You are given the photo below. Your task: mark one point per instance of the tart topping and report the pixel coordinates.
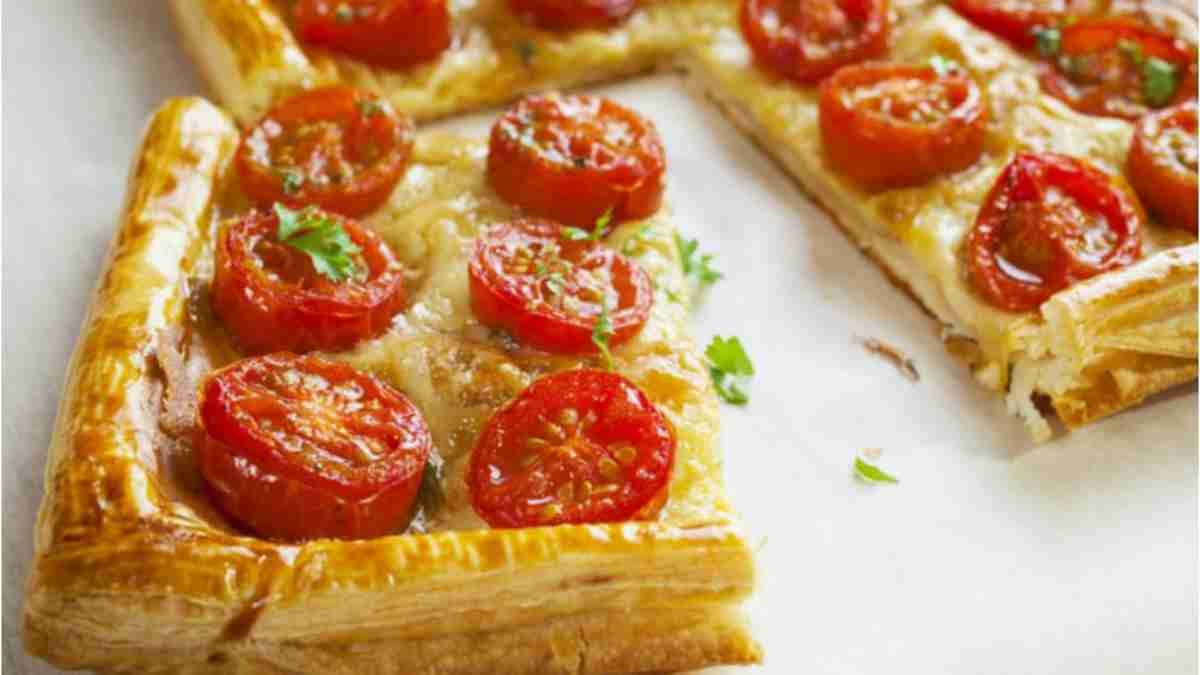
(1049, 222)
(557, 294)
(574, 158)
(389, 33)
(297, 447)
(303, 280)
(565, 15)
(805, 40)
(1162, 164)
(1021, 22)
(580, 446)
(337, 148)
(888, 125)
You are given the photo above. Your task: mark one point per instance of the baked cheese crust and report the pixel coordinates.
(1093, 349)
(135, 572)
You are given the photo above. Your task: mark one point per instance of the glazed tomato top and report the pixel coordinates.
(575, 158)
(1049, 222)
(1162, 164)
(889, 125)
(1119, 68)
(271, 295)
(389, 33)
(337, 148)
(317, 422)
(563, 15)
(1016, 20)
(527, 278)
(580, 446)
(805, 40)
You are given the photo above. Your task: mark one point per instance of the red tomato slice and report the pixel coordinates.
(1162, 164)
(1101, 68)
(575, 158)
(548, 292)
(1015, 20)
(271, 297)
(297, 447)
(337, 147)
(805, 40)
(1049, 221)
(388, 33)
(888, 125)
(565, 15)
(580, 446)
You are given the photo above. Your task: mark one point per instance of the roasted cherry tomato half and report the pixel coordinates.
(1162, 164)
(388, 33)
(575, 158)
(805, 40)
(887, 125)
(549, 292)
(563, 15)
(337, 147)
(1016, 20)
(271, 297)
(1119, 68)
(1049, 221)
(298, 447)
(580, 446)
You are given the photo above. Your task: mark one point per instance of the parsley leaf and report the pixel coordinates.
(635, 242)
(602, 332)
(1158, 81)
(324, 239)
(1049, 40)
(1133, 51)
(727, 359)
(292, 181)
(870, 473)
(942, 65)
(694, 263)
(597, 233)
(369, 107)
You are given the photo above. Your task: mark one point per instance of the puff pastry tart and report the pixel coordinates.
(341, 406)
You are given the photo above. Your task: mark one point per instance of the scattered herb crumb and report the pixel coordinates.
(902, 363)
(865, 471)
(727, 361)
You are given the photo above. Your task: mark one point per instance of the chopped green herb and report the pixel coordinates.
(324, 239)
(1159, 81)
(344, 13)
(694, 263)
(674, 296)
(1132, 51)
(635, 242)
(870, 473)
(602, 332)
(1049, 40)
(292, 182)
(597, 233)
(727, 359)
(370, 107)
(942, 65)
(527, 51)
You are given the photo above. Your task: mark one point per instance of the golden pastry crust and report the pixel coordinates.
(1092, 350)
(249, 56)
(132, 574)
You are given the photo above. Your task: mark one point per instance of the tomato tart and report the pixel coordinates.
(439, 435)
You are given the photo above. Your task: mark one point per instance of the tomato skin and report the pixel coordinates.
(571, 172)
(280, 448)
(388, 33)
(527, 307)
(1110, 83)
(816, 37)
(270, 297)
(1168, 188)
(346, 148)
(1019, 211)
(567, 15)
(1016, 23)
(579, 446)
(881, 150)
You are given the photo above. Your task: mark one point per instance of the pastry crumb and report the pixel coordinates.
(872, 453)
(897, 358)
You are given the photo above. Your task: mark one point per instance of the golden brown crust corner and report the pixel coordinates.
(124, 578)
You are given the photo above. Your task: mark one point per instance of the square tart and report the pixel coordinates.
(134, 571)
(1091, 350)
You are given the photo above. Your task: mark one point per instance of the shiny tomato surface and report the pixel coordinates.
(271, 298)
(565, 15)
(579, 446)
(1016, 20)
(805, 40)
(1049, 221)
(575, 158)
(337, 147)
(549, 292)
(1162, 164)
(298, 447)
(388, 33)
(888, 125)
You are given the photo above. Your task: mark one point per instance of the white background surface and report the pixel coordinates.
(990, 556)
